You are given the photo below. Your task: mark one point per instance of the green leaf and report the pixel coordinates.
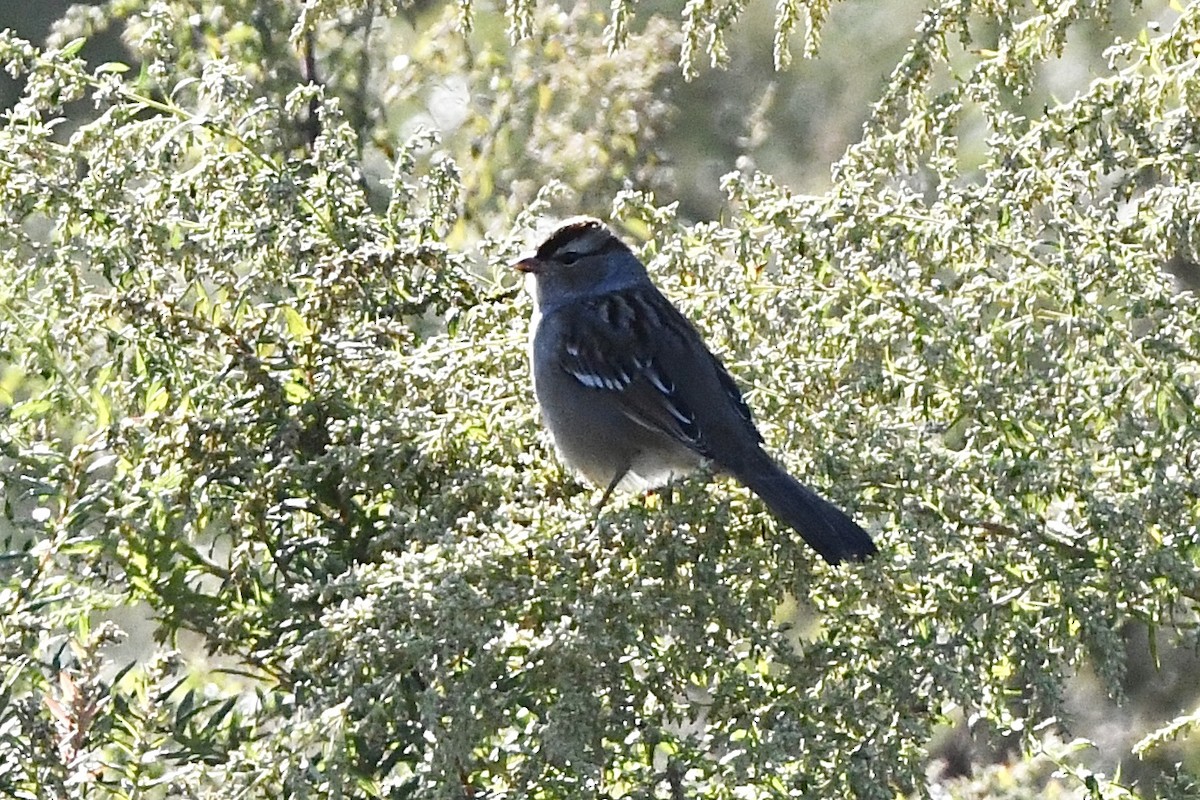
(31, 408)
(296, 392)
(72, 48)
(295, 323)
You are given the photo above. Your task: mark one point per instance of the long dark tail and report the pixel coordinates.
(826, 528)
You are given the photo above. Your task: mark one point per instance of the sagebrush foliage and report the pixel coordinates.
(263, 375)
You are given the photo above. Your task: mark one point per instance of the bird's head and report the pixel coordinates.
(581, 257)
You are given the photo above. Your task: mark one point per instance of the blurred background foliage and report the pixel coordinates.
(277, 515)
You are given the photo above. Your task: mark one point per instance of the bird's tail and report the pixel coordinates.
(825, 527)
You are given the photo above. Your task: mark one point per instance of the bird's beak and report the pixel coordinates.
(529, 265)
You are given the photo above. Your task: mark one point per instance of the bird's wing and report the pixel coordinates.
(636, 347)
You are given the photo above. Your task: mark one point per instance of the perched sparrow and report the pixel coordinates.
(632, 396)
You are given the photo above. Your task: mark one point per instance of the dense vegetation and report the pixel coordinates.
(264, 404)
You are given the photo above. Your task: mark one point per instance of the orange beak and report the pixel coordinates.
(529, 265)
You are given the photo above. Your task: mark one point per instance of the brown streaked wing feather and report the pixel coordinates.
(611, 349)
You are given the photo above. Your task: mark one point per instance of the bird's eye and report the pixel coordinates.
(570, 257)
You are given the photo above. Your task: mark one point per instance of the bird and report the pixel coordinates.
(633, 398)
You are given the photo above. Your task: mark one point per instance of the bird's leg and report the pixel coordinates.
(608, 493)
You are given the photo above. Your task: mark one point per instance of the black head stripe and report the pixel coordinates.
(569, 232)
(566, 234)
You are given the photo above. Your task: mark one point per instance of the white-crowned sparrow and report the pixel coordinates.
(632, 396)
